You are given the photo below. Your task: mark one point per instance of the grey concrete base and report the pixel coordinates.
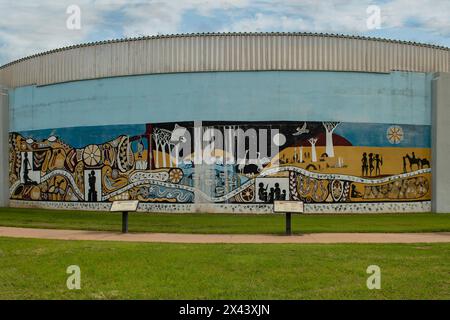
(251, 208)
(4, 149)
(441, 143)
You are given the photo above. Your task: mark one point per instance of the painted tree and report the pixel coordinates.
(313, 149)
(301, 154)
(329, 128)
(162, 139)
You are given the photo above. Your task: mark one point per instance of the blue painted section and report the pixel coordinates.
(396, 98)
(358, 134)
(375, 135)
(79, 137)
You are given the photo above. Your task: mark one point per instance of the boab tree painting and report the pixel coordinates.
(329, 128)
(313, 142)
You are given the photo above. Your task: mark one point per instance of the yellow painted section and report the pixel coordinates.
(348, 160)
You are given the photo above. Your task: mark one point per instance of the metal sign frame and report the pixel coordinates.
(124, 207)
(288, 207)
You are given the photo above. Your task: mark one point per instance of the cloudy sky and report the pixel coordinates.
(31, 26)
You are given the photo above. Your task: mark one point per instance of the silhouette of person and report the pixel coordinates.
(378, 164)
(364, 166)
(27, 167)
(371, 166)
(262, 192)
(271, 195)
(283, 195)
(92, 193)
(277, 191)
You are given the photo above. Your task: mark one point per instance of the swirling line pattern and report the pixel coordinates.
(332, 176)
(141, 175)
(52, 174)
(194, 190)
(13, 187)
(69, 177)
(158, 192)
(228, 196)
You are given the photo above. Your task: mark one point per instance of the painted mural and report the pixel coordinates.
(223, 162)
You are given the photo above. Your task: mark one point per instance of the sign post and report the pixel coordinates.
(288, 224)
(125, 222)
(124, 207)
(288, 207)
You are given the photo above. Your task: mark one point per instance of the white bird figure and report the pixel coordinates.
(242, 165)
(301, 130)
(262, 161)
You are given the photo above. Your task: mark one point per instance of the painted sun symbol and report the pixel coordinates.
(395, 134)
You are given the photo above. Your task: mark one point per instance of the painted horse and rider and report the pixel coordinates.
(420, 163)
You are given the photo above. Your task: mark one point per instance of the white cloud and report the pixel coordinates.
(345, 16)
(30, 26)
(164, 17)
(263, 22)
(433, 15)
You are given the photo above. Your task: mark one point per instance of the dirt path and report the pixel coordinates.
(226, 238)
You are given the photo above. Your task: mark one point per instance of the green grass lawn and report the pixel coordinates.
(225, 223)
(36, 269)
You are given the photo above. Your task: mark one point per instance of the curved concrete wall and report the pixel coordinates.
(343, 141)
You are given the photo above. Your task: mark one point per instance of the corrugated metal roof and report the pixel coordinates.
(224, 52)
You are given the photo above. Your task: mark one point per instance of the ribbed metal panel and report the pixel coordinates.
(224, 52)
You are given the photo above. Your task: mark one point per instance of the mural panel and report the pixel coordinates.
(223, 162)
